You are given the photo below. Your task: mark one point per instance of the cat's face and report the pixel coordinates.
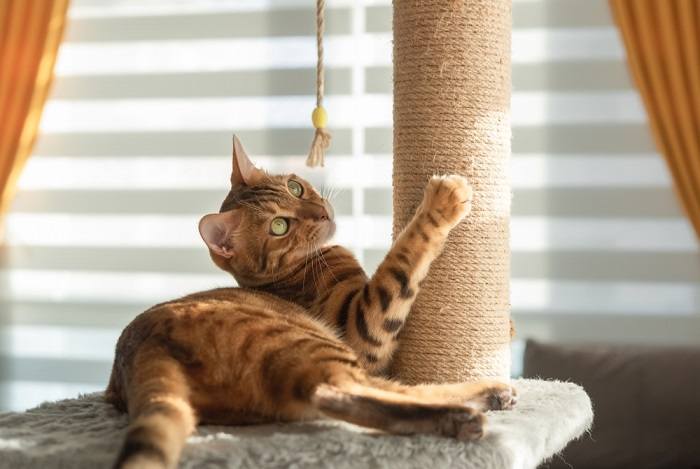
(266, 223)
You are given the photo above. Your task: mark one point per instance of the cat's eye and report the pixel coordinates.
(279, 226)
(295, 188)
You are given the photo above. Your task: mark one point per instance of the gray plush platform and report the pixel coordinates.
(86, 433)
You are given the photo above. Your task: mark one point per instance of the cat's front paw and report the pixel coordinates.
(447, 199)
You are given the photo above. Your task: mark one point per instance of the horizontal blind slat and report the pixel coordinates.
(364, 231)
(252, 23)
(596, 202)
(562, 139)
(100, 58)
(202, 173)
(591, 75)
(529, 294)
(526, 14)
(252, 113)
(589, 264)
(554, 138)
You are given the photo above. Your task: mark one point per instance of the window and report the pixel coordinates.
(135, 146)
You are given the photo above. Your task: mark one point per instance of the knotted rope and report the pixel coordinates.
(319, 118)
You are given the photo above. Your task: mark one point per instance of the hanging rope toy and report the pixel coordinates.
(319, 118)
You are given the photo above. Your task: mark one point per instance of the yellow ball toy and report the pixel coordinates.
(319, 118)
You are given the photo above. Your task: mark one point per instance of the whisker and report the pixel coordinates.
(328, 267)
(303, 280)
(317, 268)
(334, 193)
(312, 265)
(327, 192)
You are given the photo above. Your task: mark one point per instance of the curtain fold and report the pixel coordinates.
(30, 33)
(662, 40)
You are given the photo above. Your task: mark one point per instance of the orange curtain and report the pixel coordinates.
(30, 32)
(662, 39)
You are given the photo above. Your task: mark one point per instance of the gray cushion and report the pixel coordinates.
(86, 433)
(646, 402)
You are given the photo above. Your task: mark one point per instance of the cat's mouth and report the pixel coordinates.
(322, 232)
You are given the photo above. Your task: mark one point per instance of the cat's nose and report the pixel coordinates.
(316, 212)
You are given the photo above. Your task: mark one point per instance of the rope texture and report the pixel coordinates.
(320, 29)
(322, 138)
(452, 88)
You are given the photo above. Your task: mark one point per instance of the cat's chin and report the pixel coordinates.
(330, 231)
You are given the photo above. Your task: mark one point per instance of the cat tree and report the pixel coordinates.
(451, 116)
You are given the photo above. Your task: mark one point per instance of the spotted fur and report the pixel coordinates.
(306, 334)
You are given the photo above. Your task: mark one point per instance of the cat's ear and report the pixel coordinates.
(244, 172)
(217, 231)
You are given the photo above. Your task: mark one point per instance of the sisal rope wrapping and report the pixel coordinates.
(452, 87)
(322, 138)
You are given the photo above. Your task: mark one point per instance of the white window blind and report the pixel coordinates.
(135, 147)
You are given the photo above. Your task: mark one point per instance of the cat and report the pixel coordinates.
(306, 334)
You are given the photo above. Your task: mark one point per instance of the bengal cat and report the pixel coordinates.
(306, 335)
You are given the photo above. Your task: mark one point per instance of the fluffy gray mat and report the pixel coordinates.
(86, 433)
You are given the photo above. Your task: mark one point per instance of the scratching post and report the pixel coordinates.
(451, 116)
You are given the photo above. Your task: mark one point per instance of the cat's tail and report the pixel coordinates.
(161, 417)
(380, 404)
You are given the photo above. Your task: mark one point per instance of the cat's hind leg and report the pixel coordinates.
(453, 410)
(485, 394)
(397, 413)
(344, 391)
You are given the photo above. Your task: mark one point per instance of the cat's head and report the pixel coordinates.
(267, 223)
